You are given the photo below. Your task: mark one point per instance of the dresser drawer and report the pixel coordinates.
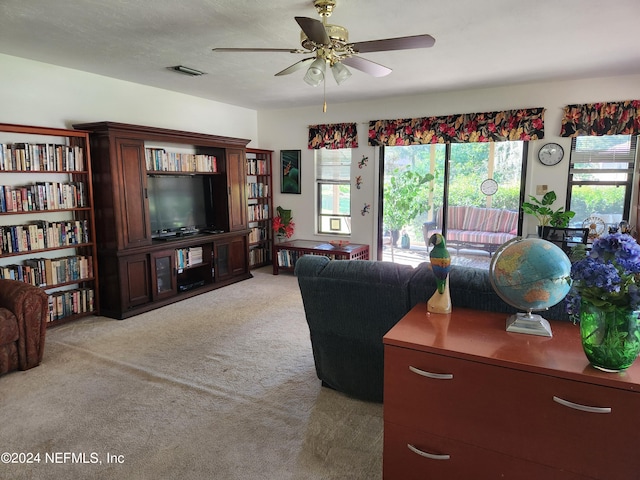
(464, 461)
(513, 412)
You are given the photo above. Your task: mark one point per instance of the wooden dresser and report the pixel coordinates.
(464, 399)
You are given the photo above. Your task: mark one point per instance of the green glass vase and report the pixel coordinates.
(610, 338)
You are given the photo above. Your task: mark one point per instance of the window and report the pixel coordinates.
(600, 178)
(333, 186)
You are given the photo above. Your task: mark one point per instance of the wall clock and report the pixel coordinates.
(489, 186)
(550, 154)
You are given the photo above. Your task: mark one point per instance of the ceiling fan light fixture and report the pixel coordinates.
(340, 72)
(315, 73)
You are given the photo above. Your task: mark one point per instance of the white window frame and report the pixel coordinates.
(333, 168)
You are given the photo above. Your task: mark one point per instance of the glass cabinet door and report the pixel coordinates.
(222, 260)
(163, 274)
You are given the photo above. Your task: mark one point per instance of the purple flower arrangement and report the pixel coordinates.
(608, 277)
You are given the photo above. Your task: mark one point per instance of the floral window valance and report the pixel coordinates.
(604, 118)
(522, 124)
(333, 136)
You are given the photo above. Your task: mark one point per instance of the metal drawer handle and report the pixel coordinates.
(437, 376)
(583, 408)
(432, 456)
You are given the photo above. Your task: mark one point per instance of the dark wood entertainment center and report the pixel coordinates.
(139, 271)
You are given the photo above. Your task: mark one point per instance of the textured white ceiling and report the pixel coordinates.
(479, 43)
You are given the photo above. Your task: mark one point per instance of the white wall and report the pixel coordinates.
(41, 94)
(36, 93)
(287, 129)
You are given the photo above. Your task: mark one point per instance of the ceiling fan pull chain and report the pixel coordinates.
(324, 86)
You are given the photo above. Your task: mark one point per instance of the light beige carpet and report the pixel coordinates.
(219, 386)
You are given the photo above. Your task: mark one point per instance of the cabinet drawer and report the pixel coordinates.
(464, 462)
(514, 412)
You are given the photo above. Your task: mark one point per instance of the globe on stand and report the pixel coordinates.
(530, 274)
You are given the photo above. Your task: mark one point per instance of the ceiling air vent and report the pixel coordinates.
(192, 72)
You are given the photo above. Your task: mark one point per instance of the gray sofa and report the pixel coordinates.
(350, 305)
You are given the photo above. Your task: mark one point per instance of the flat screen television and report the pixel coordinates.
(180, 204)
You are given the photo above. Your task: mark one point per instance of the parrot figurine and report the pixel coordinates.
(440, 259)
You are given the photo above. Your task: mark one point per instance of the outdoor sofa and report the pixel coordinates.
(474, 227)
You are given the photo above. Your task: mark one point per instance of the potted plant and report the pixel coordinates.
(283, 223)
(405, 197)
(547, 216)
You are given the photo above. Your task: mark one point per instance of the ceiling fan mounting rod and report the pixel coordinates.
(324, 7)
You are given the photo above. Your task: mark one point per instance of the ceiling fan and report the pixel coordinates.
(330, 44)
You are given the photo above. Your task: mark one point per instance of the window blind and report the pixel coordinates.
(612, 154)
(333, 166)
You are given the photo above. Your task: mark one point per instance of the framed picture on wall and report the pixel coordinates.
(289, 171)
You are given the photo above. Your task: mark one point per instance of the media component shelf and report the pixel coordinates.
(159, 195)
(286, 253)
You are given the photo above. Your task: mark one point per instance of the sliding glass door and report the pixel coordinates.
(483, 179)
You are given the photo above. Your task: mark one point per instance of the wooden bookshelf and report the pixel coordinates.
(259, 206)
(47, 225)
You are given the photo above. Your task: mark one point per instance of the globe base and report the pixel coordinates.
(531, 324)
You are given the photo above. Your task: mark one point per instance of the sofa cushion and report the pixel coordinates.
(479, 219)
(508, 222)
(478, 237)
(457, 216)
(8, 327)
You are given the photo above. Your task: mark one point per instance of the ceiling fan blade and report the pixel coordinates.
(288, 50)
(295, 67)
(367, 66)
(314, 30)
(400, 43)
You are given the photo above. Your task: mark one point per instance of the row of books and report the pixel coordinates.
(258, 212)
(288, 258)
(257, 234)
(258, 190)
(71, 302)
(42, 196)
(258, 256)
(187, 257)
(256, 167)
(35, 157)
(42, 234)
(47, 272)
(158, 159)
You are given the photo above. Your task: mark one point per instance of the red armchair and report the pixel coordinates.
(23, 322)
